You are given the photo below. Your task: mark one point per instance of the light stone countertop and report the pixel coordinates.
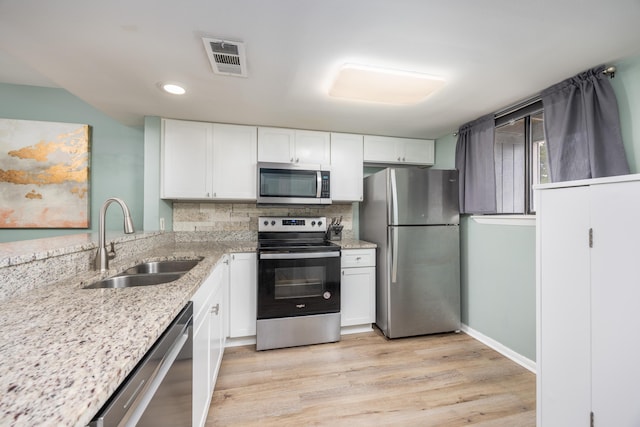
(355, 244)
(64, 350)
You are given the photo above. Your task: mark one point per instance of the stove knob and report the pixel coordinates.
(313, 223)
(319, 223)
(273, 223)
(266, 223)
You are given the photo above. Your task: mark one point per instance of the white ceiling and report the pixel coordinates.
(492, 53)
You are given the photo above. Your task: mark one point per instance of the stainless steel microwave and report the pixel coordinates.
(292, 183)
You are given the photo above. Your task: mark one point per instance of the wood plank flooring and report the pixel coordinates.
(367, 380)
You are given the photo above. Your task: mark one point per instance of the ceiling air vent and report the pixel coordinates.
(226, 57)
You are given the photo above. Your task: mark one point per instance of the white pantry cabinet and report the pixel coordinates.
(208, 337)
(588, 293)
(243, 294)
(293, 146)
(358, 287)
(208, 161)
(346, 167)
(392, 150)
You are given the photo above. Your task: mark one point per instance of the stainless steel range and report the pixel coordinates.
(298, 283)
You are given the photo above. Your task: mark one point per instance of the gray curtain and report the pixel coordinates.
(475, 163)
(582, 127)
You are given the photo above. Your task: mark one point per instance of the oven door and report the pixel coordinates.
(298, 283)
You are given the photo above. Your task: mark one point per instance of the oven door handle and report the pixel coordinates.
(300, 255)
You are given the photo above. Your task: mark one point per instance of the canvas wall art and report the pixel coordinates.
(44, 174)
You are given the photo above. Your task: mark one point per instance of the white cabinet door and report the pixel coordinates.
(418, 151)
(209, 306)
(216, 328)
(243, 294)
(276, 145)
(380, 149)
(358, 287)
(186, 152)
(312, 147)
(615, 297)
(234, 162)
(200, 367)
(346, 167)
(564, 343)
(357, 296)
(293, 146)
(392, 150)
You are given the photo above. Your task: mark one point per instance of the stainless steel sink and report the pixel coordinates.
(147, 273)
(130, 280)
(172, 266)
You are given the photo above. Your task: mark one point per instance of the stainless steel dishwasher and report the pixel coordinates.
(159, 390)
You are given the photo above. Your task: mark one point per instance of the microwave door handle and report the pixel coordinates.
(318, 184)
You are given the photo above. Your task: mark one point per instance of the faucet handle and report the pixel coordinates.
(112, 251)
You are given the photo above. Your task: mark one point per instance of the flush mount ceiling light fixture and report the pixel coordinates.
(172, 88)
(384, 85)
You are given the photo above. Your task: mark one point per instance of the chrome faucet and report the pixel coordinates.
(102, 256)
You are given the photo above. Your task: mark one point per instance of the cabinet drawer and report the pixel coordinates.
(358, 258)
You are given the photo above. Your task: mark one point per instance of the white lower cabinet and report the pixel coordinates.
(243, 294)
(208, 337)
(358, 287)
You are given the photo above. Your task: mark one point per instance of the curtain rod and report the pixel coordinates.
(609, 71)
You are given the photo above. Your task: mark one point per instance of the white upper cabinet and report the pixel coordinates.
(208, 161)
(392, 150)
(234, 162)
(346, 167)
(293, 146)
(185, 160)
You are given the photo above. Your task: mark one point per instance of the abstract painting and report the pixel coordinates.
(44, 174)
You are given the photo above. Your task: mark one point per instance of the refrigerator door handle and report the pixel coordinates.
(394, 254)
(394, 198)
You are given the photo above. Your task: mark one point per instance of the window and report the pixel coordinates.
(520, 158)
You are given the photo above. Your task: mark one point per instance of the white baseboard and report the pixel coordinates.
(236, 342)
(500, 348)
(346, 330)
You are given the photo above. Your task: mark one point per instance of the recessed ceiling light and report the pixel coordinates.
(373, 84)
(172, 88)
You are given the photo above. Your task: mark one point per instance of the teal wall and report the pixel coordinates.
(116, 153)
(154, 207)
(498, 261)
(627, 87)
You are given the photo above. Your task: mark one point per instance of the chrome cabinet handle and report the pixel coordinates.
(215, 309)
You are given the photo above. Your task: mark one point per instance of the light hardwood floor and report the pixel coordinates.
(367, 380)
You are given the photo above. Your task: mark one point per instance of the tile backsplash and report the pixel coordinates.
(240, 220)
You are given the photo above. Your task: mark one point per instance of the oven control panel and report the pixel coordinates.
(273, 223)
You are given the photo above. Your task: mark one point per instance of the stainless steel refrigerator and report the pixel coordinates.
(412, 215)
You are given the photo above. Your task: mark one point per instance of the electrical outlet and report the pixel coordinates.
(161, 224)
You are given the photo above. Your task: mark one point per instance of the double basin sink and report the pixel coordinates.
(147, 273)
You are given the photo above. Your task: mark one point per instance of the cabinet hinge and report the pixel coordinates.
(591, 237)
(591, 418)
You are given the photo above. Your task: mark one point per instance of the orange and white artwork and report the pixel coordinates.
(44, 174)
